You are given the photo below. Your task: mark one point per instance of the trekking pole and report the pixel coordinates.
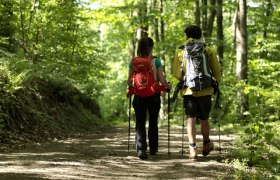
(218, 107)
(219, 130)
(168, 118)
(129, 116)
(219, 111)
(183, 129)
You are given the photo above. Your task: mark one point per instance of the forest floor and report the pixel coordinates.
(104, 155)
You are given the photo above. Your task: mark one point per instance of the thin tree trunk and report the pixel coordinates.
(22, 26)
(241, 40)
(32, 14)
(75, 30)
(267, 15)
(220, 34)
(234, 22)
(242, 54)
(204, 18)
(268, 7)
(235, 18)
(156, 21)
(162, 32)
(132, 40)
(197, 13)
(142, 15)
(161, 22)
(211, 18)
(143, 10)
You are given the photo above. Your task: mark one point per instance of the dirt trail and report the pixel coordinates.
(104, 155)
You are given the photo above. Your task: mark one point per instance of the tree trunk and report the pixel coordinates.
(211, 18)
(32, 14)
(142, 14)
(204, 18)
(133, 45)
(235, 18)
(268, 7)
(22, 43)
(220, 34)
(162, 32)
(241, 54)
(197, 13)
(75, 31)
(156, 21)
(267, 16)
(132, 40)
(161, 22)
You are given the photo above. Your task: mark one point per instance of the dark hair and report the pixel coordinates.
(151, 42)
(144, 46)
(193, 32)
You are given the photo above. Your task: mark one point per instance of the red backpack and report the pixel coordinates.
(144, 78)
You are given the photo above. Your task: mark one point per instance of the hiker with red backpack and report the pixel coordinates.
(146, 81)
(197, 67)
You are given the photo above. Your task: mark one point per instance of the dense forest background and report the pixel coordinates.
(63, 65)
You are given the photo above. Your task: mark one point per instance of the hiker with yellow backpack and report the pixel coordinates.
(146, 81)
(197, 67)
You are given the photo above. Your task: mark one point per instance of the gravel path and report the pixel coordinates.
(104, 155)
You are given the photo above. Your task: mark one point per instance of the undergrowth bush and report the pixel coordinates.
(38, 106)
(257, 149)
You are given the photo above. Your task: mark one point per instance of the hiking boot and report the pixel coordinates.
(142, 154)
(193, 153)
(207, 148)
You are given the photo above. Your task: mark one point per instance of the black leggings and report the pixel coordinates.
(142, 105)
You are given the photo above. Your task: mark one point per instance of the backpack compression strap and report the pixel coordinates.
(157, 86)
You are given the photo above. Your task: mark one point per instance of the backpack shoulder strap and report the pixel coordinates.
(184, 60)
(206, 61)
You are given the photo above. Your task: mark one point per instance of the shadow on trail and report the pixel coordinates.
(104, 155)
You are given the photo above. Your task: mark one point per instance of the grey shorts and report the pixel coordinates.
(198, 107)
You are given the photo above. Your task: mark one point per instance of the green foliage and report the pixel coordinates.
(41, 106)
(263, 90)
(258, 148)
(113, 98)
(242, 171)
(10, 82)
(263, 24)
(87, 46)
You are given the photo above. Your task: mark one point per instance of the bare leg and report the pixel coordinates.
(207, 144)
(191, 130)
(192, 138)
(205, 129)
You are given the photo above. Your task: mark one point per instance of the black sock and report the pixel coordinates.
(192, 145)
(206, 142)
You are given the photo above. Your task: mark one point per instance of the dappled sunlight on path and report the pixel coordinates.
(104, 155)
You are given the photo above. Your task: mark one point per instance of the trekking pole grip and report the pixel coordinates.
(168, 90)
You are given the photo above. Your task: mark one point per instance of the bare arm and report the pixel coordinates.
(129, 79)
(162, 79)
